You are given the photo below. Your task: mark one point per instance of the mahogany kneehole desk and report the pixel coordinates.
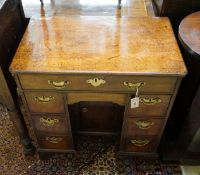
(78, 75)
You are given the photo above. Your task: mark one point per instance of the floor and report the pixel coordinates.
(94, 156)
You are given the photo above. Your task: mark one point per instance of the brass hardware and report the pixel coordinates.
(53, 139)
(140, 142)
(144, 124)
(150, 100)
(43, 99)
(134, 85)
(48, 121)
(58, 84)
(84, 110)
(96, 82)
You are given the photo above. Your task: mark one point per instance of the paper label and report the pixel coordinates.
(135, 102)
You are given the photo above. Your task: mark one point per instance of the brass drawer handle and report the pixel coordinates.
(54, 139)
(58, 84)
(150, 100)
(84, 110)
(43, 99)
(96, 82)
(140, 142)
(134, 85)
(144, 124)
(48, 121)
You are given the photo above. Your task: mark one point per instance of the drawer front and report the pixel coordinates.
(150, 105)
(55, 142)
(140, 144)
(98, 82)
(143, 126)
(75, 97)
(48, 102)
(46, 123)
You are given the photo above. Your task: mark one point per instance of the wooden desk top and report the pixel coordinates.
(189, 33)
(100, 44)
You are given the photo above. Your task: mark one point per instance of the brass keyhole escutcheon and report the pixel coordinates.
(96, 81)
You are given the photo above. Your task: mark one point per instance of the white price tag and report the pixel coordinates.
(135, 102)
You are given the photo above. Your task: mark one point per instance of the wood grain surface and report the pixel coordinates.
(189, 33)
(85, 44)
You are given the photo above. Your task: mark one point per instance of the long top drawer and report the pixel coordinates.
(97, 82)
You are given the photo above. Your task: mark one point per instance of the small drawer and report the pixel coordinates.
(98, 82)
(46, 123)
(150, 105)
(48, 102)
(140, 144)
(144, 126)
(55, 142)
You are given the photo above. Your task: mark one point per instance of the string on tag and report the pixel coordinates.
(135, 102)
(137, 92)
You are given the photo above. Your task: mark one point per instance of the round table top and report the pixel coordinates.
(189, 33)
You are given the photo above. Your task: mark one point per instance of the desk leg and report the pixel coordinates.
(119, 4)
(16, 116)
(41, 1)
(22, 130)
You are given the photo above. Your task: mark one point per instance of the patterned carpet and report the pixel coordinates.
(94, 156)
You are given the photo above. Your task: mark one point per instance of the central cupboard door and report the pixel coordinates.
(96, 117)
(96, 113)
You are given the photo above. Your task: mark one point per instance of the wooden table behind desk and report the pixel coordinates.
(182, 131)
(12, 26)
